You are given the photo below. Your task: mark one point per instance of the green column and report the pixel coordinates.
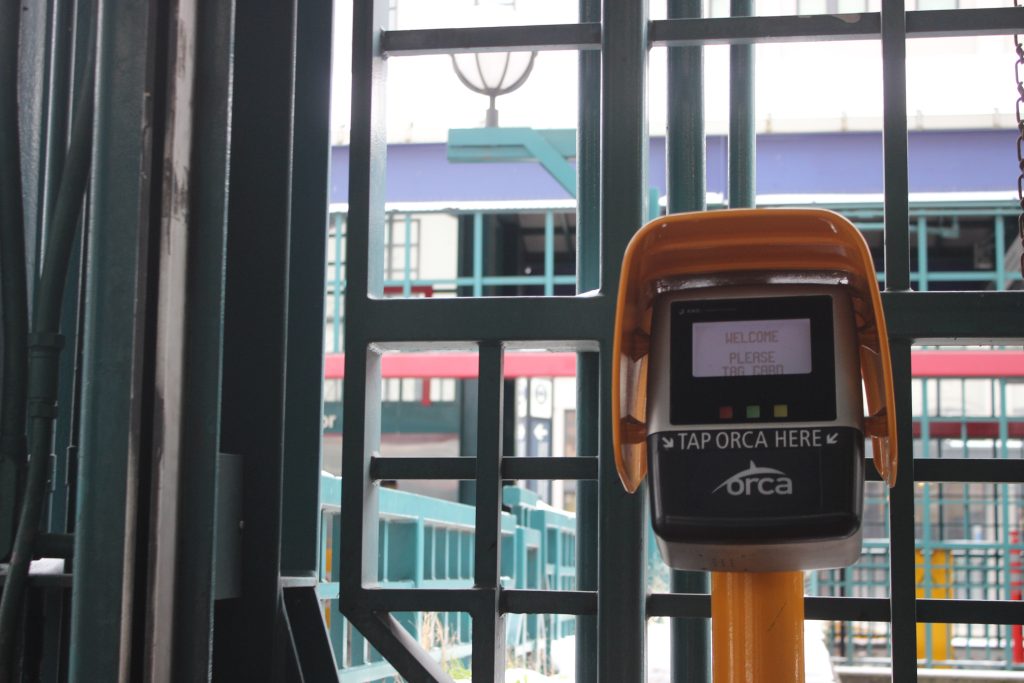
(622, 523)
(687, 188)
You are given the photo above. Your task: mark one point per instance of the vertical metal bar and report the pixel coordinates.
(172, 303)
(588, 278)
(407, 248)
(897, 277)
(894, 143)
(58, 115)
(901, 528)
(478, 254)
(922, 253)
(999, 258)
(622, 524)
(256, 299)
(337, 283)
(488, 623)
(686, 174)
(742, 117)
(113, 348)
(14, 288)
(359, 521)
(304, 383)
(549, 253)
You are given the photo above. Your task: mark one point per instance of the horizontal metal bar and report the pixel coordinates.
(974, 22)
(956, 317)
(584, 36)
(44, 580)
(968, 470)
(464, 468)
(425, 599)
(934, 611)
(823, 27)
(851, 609)
(548, 602)
(290, 581)
(436, 468)
(549, 468)
(698, 606)
(740, 30)
(558, 323)
(678, 605)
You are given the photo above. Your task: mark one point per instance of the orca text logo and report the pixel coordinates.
(757, 481)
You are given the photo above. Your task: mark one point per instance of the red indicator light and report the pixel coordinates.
(725, 413)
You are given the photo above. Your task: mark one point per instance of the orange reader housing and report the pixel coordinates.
(744, 248)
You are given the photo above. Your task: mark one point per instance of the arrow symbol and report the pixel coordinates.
(666, 442)
(832, 439)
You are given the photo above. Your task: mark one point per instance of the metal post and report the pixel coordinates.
(757, 621)
(256, 307)
(304, 385)
(742, 118)
(200, 427)
(488, 622)
(113, 348)
(622, 517)
(687, 190)
(897, 278)
(588, 278)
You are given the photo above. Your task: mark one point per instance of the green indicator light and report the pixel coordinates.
(753, 411)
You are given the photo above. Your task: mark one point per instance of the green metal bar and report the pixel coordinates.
(257, 294)
(623, 528)
(894, 143)
(488, 622)
(926, 497)
(13, 282)
(583, 36)
(407, 256)
(485, 280)
(901, 527)
(588, 384)
(822, 27)
(62, 54)
(742, 118)
(922, 255)
(686, 172)
(200, 423)
(111, 386)
(478, 253)
(549, 253)
(337, 281)
(955, 317)
(999, 258)
(305, 348)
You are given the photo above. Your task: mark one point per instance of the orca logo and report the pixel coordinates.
(754, 480)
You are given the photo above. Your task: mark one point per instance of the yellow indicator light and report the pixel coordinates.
(780, 410)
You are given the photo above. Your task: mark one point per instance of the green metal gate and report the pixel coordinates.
(614, 39)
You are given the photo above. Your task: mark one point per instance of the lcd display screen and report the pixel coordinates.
(746, 348)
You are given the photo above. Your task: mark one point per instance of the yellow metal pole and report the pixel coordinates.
(757, 627)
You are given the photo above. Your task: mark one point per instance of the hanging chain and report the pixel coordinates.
(1020, 138)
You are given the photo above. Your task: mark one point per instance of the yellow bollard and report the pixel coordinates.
(757, 627)
(933, 575)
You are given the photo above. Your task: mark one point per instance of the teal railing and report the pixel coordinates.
(428, 543)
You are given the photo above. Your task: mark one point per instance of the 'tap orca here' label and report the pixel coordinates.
(738, 473)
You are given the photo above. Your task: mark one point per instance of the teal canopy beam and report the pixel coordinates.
(552, 149)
